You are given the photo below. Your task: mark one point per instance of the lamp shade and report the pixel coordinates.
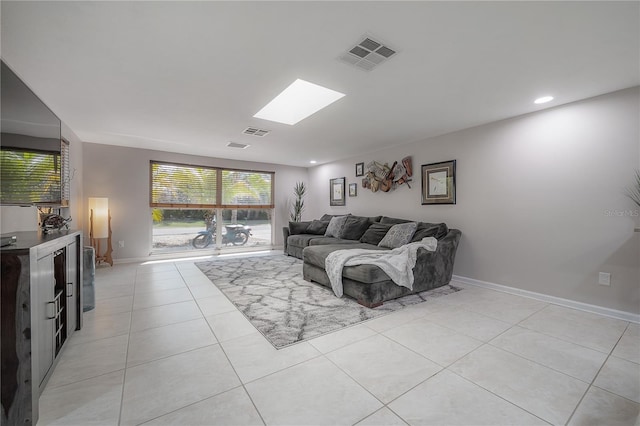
(100, 209)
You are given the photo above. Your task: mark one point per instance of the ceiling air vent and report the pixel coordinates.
(237, 145)
(367, 54)
(255, 131)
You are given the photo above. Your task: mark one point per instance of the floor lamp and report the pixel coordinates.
(100, 228)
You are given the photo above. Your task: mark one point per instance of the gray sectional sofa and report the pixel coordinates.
(369, 284)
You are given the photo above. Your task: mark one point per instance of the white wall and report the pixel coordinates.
(540, 198)
(122, 175)
(17, 218)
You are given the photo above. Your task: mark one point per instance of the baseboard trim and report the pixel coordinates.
(595, 309)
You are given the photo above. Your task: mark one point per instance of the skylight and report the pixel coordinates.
(297, 102)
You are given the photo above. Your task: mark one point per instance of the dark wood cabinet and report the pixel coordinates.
(41, 307)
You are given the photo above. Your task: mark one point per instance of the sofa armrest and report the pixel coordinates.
(285, 234)
(436, 267)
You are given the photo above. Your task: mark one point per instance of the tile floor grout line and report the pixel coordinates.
(596, 376)
(493, 393)
(188, 405)
(397, 414)
(83, 380)
(377, 411)
(465, 334)
(358, 383)
(565, 340)
(538, 363)
(124, 377)
(229, 360)
(616, 395)
(171, 355)
(446, 368)
(429, 359)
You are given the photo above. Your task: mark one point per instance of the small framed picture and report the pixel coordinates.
(439, 183)
(336, 192)
(359, 169)
(353, 189)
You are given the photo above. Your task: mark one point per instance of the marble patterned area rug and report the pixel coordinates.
(286, 309)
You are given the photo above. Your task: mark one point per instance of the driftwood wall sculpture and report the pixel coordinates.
(381, 177)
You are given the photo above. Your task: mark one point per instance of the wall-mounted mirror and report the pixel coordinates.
(30, 146)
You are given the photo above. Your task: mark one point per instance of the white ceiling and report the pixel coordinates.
(189, 76)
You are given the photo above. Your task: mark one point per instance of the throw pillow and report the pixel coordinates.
(354, 227)
(335, 226)
(424, 230)
(399, 235)
(328, 217)
(375, 233)
(296, 228)
(317, 227)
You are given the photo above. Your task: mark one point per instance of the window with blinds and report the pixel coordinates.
(30, 177)
(246, 190)
(65, 173)
(188, 186)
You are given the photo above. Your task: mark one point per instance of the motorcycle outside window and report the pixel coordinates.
(176, 230)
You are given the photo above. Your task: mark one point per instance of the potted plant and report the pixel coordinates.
(633, 191)
(299, 190)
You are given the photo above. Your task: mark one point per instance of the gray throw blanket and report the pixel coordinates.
(397, 263)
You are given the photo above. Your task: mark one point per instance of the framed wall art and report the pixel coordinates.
(359, 169)
(353, 189)
(336, 192)
(439, 183)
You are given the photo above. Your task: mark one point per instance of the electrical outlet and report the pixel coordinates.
(121, 244)
(604, 278)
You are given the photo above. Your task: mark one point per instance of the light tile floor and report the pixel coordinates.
(164, 346)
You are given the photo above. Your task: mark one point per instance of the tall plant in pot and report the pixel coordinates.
(299, 190)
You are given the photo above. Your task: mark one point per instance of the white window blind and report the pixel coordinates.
(30, 177)
(246, 189)
(179, 185)
(188, 186)
(65, 173)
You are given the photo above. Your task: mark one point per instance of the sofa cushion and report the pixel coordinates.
(321, 241)
(424, 230)
(354, 227)
(317, 227)
(335, 226)
(393, 220)
(375, 233)
(316, 255)
(298, 227)
(328, 217)
(300, 240)
(399, 235)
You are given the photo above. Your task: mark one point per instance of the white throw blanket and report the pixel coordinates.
(397, 263)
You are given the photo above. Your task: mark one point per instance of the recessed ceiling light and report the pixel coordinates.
(313, 161)
(297, 102)
(543, 100)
